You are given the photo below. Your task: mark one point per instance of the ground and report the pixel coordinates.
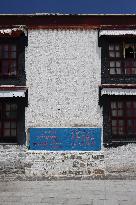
(68, 192)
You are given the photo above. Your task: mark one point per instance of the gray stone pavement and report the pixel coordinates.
(68, 192)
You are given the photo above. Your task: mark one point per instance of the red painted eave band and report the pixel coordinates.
(13, 88)
(68, 20)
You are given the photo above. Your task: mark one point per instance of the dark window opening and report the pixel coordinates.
(129, 50)
(122, 58)
(8, 60)
(114, 50)
(115, 59)
(123, 118)
(130, 58)
(8, 122)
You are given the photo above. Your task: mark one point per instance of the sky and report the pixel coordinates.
(68, 6)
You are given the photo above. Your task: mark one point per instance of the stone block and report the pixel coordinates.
(98, 171)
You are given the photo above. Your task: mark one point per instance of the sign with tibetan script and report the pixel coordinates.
(65, 139)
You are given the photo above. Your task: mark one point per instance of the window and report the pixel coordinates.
(122, 58)
(115, 61)
(8, 122)
(123, 118)
(8, 60)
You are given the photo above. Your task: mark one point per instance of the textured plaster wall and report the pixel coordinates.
(63, 71)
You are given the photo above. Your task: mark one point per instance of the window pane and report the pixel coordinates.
(114, 122)
(113, 105)
(120, 104)
(115, 64)
(121, 123)
(117, 54)
(112, 54)
(13, 124)
(120, 113)
(114, 130)
(118, 64)
(5, 55)
(116, 47)
(13, 68)
(129, 63)
(134, 104)
(123, 118)
(11, 111)
(130, 113)
(129, 51)
(8, 56)
(13, 107)
(5, 47)
(6, 124)
(112, 71)
(111, 47)
(112, 63)
(130, 127)
(130, 123)
(114, 112)
(13, 115)
(6, 132)
(4, 64)
(128, 104)
(134, 123)
(133, 71)
(13, 54)
(7, 107)
(120, 131)
(134, 63)
(7, 115)
(128, 71)
(13, 47)
(13, 132)
(118, 70)
(5, 67)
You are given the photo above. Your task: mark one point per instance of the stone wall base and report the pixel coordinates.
(18, 163)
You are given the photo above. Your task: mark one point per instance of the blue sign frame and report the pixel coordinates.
(65, 139)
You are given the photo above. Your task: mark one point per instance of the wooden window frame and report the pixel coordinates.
(125, 135)
(9, 59)
(122, 59)
(4, 119)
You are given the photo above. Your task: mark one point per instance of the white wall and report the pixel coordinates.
(63, 69)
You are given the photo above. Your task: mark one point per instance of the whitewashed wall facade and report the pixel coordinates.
(63, 71)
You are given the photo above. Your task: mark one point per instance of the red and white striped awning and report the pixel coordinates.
(12, 91)
(117, 32)
(118, 89)
(13, 32)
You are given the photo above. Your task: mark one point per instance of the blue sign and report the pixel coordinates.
(62, 139)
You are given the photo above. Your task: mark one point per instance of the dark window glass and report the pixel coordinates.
(8, 60)
(123, 118)
(122, 58)
(8, 120)
(114, 55)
